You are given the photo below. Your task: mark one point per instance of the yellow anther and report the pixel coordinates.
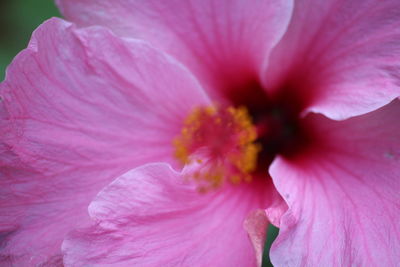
(228, 136)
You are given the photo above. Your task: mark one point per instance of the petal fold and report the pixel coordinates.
(343, 197)
(153, 216)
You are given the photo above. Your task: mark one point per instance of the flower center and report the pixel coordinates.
(239, 143)
(281, 129)
(221, 143)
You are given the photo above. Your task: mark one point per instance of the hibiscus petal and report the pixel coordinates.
(79, 108)
(152, 216)
(344, 202)
(223, 42)
(256, 226)
(344, 54)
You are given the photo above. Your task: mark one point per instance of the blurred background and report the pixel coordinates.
(18, 18)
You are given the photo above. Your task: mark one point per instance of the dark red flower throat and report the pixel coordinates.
(277, 117)
(237, 140)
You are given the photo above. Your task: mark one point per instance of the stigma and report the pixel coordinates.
(219, 144)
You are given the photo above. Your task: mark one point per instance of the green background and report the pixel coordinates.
(18, 19)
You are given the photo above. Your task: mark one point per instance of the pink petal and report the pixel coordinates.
(80, 107)
(344, 54)
(256, 226)
(344, 202)
(152, 216)
(224, 42)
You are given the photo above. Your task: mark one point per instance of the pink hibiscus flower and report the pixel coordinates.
(286, 106)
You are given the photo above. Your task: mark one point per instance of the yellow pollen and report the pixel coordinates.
(221, 142)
